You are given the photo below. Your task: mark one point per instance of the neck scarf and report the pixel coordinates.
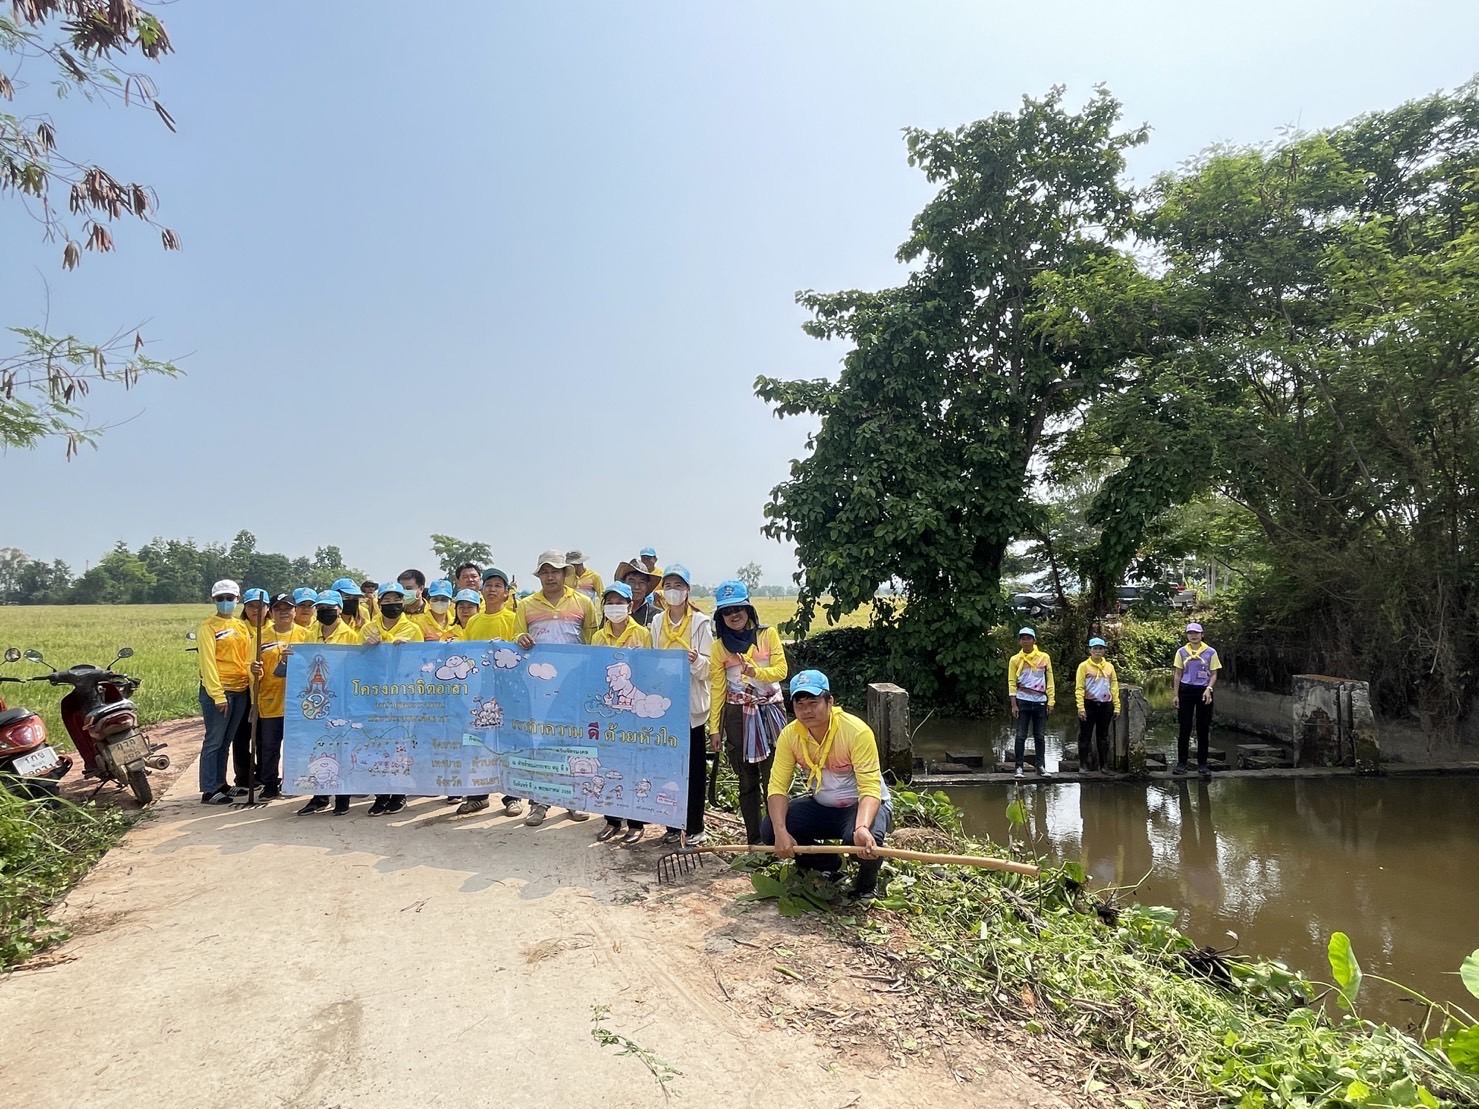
(675, 635)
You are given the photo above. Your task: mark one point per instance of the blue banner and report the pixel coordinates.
(593, 728)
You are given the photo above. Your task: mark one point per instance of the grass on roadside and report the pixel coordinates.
(44, 849)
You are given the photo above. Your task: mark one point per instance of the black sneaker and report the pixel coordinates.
(1204, 772)
(1179, 768)
(380, 807)
(341, 806)
(862, 899)
(315, 804)
(395, 804)
(269, 793)
(454, 800)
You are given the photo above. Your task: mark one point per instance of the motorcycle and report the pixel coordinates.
(104, 724)
(28, 764)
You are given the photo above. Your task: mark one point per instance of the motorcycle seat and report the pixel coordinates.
(14, 716)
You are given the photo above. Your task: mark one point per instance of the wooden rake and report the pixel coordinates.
(689, 859)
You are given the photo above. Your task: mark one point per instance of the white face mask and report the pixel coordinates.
(675, 597)
(439, 607)
(615, 613)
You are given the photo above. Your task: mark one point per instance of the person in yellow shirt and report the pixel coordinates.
(495, 622)
(556, 614)
(1195, 666)
(467, 576)
(1030, 687)
(746, 666)
(618, 629)
(1096, 689)
(359, 608)
(391, 626)
(680, 626)
(304, 600)
(582, 579)
(465, 605)
(271, 674)
(254, 616)
(436, 620)
(330, 628)
(224, 651)
(846, 797)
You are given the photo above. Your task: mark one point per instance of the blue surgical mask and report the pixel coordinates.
(225, 608)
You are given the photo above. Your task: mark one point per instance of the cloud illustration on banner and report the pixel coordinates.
(544, 671)
(650, 706)
(505, 659)
(428, 667)
(456, 667)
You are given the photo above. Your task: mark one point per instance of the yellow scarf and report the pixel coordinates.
(667, 637)
(824, 751)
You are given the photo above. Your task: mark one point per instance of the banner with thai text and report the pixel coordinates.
(598, 729)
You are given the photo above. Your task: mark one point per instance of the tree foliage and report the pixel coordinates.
(82, 45)
(452, 552)
(920, 469)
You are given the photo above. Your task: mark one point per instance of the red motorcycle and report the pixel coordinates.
(28, 764)
(104, 724)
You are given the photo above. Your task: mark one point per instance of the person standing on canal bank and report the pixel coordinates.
(1196, 665)
(1096, 688)
(1030, 687)
(746, 666)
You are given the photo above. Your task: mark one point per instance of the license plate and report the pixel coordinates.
(129, 749)
(37, 762)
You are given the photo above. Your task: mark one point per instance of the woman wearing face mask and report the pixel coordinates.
(618, 629)
(356, 612)
(225, 656)
(746, 666)
(680, 626)
(391, 626)
(329, 627)
(436, 620)
(254, 616)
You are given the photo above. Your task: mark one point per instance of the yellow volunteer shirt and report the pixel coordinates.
(569, 619)
(768, 657)
(633, 635)
(840, 767)
(271, 689)
(225, 650)
(1096, 681)
(339, 635)
(492, 625)
(404, 630)
(433, 632)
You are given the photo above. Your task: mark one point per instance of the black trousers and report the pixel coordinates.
(269, 751)
(241, 748)
(1093, 735)
(1192, 709)
(754, 777)
(808, 820)
(698, 780)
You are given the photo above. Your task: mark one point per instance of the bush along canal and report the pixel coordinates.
(1153, 1017)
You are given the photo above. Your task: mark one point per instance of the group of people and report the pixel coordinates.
(1096, 690)
(736, 667)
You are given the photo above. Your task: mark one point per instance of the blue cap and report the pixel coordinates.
(392, 587)
(440, 588)
(678, 571)
(347, 588)
(1025, 631)
(812, 682)
(468, 596)
(647, 552)
(731, 594)
(329, 597)
(620, 588)
(255, 595)
(1097, 642)
(303, 593)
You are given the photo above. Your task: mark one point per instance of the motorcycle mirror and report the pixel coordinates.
(13, 654)
(34, 656)
(190, 636)
(125, 652)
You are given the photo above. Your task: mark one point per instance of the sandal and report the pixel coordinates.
(611, 831)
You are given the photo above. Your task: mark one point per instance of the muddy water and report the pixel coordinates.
(1282, 864)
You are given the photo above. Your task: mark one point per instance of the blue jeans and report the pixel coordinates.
(1035, 715)
(808, 820)
(219, 728)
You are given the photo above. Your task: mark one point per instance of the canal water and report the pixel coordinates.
(1280, 863)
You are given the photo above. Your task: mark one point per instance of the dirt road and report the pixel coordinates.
(257, 958)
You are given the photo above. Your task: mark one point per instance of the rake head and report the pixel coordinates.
(675, 863)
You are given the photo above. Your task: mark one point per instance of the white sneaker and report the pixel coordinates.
(1017, 773)
(576, 814)
(513, 807)
(536, 815)
(698, 839)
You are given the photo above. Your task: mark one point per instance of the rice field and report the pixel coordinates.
(69, 634)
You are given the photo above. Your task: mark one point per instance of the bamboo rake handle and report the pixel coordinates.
(883, 852)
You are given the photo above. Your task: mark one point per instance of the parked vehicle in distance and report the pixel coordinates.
(1033, 604)
(1183, 596)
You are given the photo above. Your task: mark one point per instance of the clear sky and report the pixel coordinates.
(509, 271)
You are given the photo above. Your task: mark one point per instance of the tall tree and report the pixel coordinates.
(920, 468)
(750, 573)
(452, 552)
(44, 381)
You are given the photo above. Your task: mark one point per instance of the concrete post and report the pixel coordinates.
(1128, 734)
(888, 716)
(1334, 724)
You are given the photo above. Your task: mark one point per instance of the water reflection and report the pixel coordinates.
(1282, 863)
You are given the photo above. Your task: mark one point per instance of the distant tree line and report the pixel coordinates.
(164, 571)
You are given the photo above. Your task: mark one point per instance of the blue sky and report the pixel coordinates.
(508, 271)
